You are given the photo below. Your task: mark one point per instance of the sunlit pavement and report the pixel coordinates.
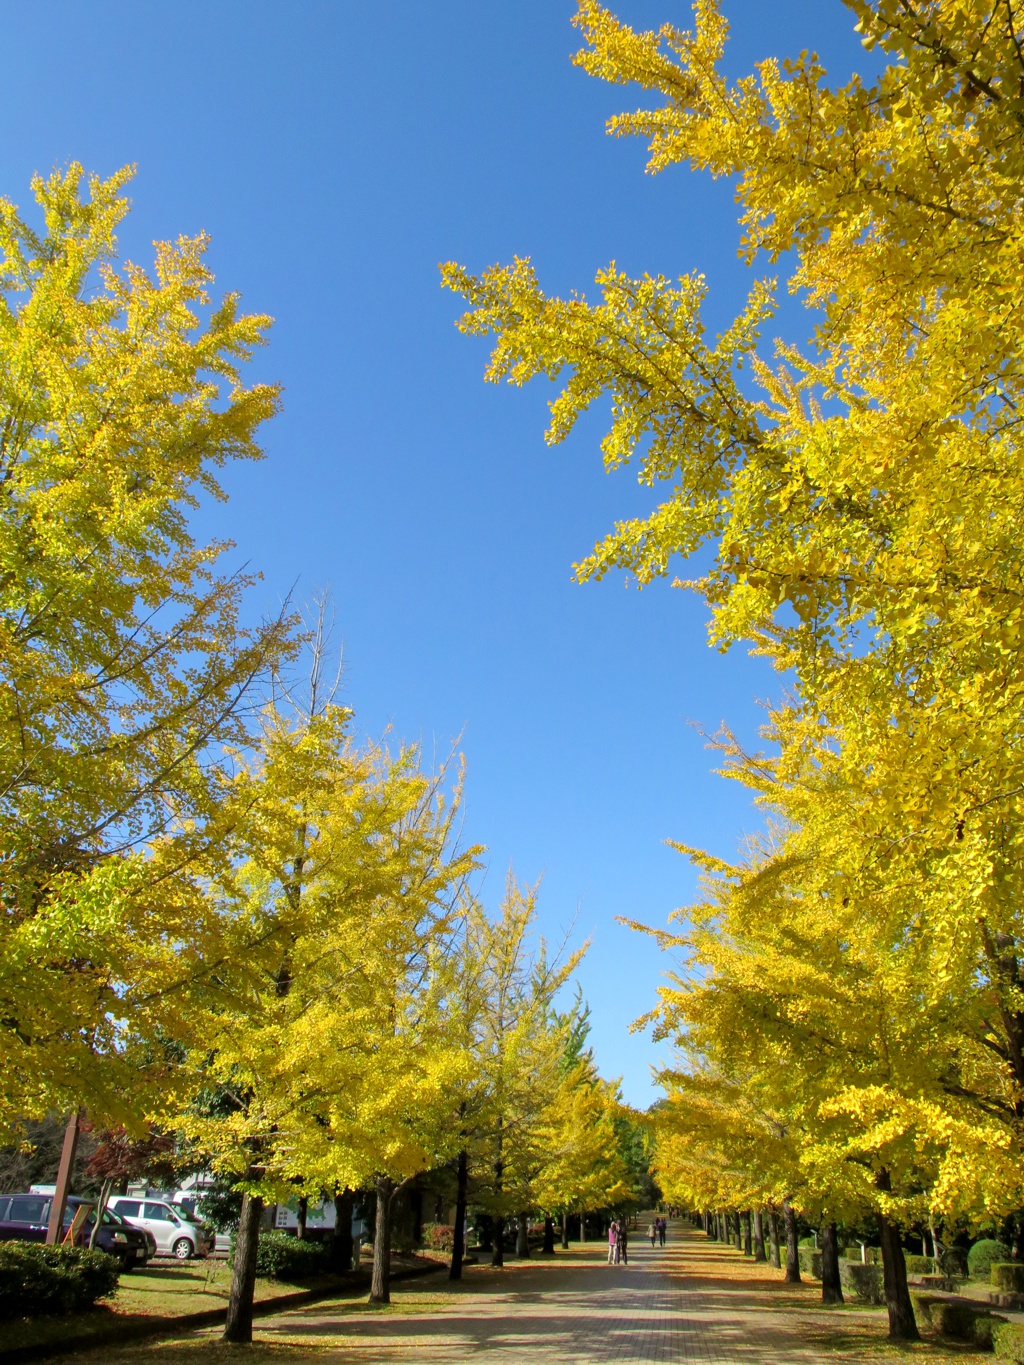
(691, 1301)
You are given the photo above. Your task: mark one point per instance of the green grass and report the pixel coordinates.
(164, 1290)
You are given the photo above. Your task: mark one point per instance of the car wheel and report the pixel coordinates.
(182, 1249)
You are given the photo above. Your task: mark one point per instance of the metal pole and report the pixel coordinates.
(60, 1198)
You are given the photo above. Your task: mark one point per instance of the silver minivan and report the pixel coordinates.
(174, 1232)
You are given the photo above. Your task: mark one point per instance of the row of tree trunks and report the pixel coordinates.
(746, 1232)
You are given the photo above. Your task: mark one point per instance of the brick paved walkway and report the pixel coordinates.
(694, 1301)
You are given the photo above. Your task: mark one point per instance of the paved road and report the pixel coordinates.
(691, 1302)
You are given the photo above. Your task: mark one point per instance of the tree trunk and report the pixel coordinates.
(759, 1253)
(238, 1324)
(773, 1240)
(380, 1285)
(498, 1254)
(565, 1232)
(831, 1288)
(549, 1236)
(103, 1199)
(341, 1244)
(583, 1227)
(737, 1232)
(459, 1239)
(523, 1236)
(723, 1230)
(792, 1255)
(748, 1248)
(300, 1228)
(902, 1324)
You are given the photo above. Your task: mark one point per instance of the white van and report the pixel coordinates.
(175, 1232)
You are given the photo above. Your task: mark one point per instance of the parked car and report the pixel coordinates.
(174, 1230)
(193, 1207)
(114, 1234)
(25, 1217)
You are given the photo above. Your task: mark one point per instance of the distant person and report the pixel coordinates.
(613, 1243)
(623, 1242)
(652, 1232)
(662, 1226)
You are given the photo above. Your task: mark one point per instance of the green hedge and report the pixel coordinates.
(964, 1323)
(283, 1257)
(924, 1306)
(864, 1281)
(810, 1261)
(37, 1280)
(1007, 1276)
(1008, 1342)
(920, 1265)
(872, 1255)
(981, 1256)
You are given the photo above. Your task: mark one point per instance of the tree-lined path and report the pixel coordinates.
(694, 1301)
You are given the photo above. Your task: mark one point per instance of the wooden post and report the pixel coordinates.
(55, 1227)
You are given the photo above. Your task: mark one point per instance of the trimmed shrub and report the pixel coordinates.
(281, 1257)
(1007, 1276)
(985, 1325)
(806, 1242)
(956, 1320)
(981, 1256)
(925, 1305)
(863, 1281)
(438, 1236)
(36, 1280)
(810, 1261)
(872, 1255)
(1008, 1342)
(920, 1265)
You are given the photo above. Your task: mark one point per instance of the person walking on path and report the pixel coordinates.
(661, 1231)
(652, 1232)
(613, 1243)
(623, 1242)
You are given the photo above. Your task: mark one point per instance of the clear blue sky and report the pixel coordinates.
(336, 153)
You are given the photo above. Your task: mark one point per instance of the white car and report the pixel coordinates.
(175, 1233)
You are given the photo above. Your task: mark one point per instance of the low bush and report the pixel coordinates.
(955, 1320)
(807, 1242)
(981, 1256)
(36, 1280)
(985, 1326)
(920, 1265)
(1008, 1342)
(924, 1306)
(282, 1257)
(863, 1281)
(953, 1261)
(810, 1261)
(872, 1255)
(1007, 1276)
(438, 1236)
